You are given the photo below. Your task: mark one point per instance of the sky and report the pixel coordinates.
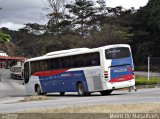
(15, 13)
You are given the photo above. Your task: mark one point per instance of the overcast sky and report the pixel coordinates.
(16, 13)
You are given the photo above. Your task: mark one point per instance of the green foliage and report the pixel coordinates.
(81, 10)
(142, 80)
(144, 50)
(88, 23)
(34, 28)
(110, 34)
(57, 18)
(153, 8)
(4, 37)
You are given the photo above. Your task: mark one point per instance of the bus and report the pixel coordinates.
(81, 70)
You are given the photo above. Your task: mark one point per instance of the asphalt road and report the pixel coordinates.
(11, 91)
(10, 88)
(117, 97)
(151, 74)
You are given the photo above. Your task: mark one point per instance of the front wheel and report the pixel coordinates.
(38, 90)
(106, 92)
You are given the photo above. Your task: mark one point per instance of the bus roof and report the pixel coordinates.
(75, 51)
(66, 51)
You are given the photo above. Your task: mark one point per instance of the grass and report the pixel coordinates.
(35, 98)
(106, 108)
(142, 80)
(104, 111)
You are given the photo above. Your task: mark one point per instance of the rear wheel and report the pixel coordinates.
(62, 93)
(106, 92)
(87, 93)
(80, 89)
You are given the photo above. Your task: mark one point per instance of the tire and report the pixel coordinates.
(38, 90)
(11, 76)
(80, 89)
(62, 93)
(107, 92)
(87, 93)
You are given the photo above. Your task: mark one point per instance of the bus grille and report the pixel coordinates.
(97, 83)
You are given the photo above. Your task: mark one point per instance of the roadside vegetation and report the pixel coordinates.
(142, 80)
(3, 36)
(106, 108)
(36, 98)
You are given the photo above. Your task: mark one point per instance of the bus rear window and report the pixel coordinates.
(116, 53)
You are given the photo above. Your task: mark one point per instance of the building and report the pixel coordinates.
(8, 61)
(3, 53)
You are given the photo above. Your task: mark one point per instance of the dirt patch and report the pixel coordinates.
(107, 108)
(36, 98)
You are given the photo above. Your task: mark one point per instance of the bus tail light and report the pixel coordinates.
(105, 74)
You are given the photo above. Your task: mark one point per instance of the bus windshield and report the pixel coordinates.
(116, 53)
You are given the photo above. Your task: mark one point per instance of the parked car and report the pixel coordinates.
(16, 72)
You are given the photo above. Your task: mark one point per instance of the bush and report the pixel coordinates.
(142, 80)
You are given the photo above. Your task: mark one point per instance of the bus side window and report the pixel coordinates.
(52, 65)
(32, 67)
(78, 61)
(46, 65)
(41, 66)
(88, 61)
(95, 59)
(37, 64)
(57, 63)
(66, 62)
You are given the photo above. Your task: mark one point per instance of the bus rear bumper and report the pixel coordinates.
(119, 85)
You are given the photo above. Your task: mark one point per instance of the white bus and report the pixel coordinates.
(81, 70)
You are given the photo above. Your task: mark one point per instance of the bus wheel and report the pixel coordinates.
(62, 93)
(106, 92)
(38, 90)
(80, 89)
(87, 93)
(11, 76)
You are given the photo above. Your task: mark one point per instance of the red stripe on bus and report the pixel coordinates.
(49, 73)
(122, 78)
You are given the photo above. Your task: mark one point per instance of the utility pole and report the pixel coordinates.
(0, 77)
(148, 68)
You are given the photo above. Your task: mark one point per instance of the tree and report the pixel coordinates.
(56, 15)
(109, 34)
(35, 28)
(4, 37)
(81, 10)
(144, 24)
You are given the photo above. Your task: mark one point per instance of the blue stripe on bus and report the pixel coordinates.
(64, 82)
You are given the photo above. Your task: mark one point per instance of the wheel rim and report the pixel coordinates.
(38, 90)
